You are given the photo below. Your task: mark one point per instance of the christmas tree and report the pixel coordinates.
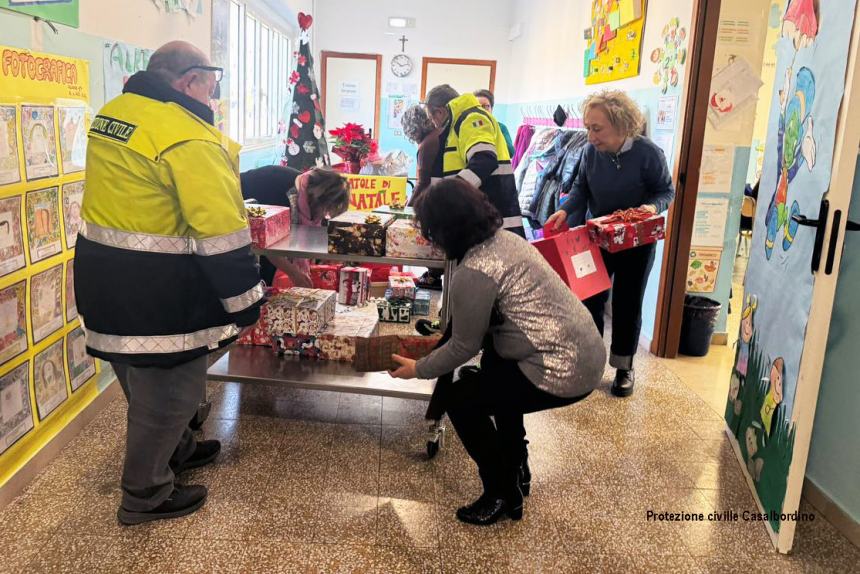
(304, 142)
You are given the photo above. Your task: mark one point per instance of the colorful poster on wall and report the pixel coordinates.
(614, 40)
(16, 418)
(73, 138)
(733, 89)
(121, 61)
(703, 269)
(73, 196)
(13, 321)
(396, 106)
(60, 11)
(49, 379)
(11, 236)
(39, 141)
(671, 56)
(80, 365)
(71, 304)
(43, 223)
(46, 303)
(369, 192)
(761, 410)
(9, 172)
(667, 113)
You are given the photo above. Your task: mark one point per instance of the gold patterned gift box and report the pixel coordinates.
(358, 233)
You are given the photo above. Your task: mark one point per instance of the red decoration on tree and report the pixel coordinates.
(305, 21)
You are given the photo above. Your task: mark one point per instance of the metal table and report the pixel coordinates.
(261, 365)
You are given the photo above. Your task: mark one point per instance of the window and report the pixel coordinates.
(259, 70)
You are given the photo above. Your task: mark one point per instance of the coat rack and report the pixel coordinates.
(541, 115)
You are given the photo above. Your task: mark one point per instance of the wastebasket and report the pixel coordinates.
(697, 326)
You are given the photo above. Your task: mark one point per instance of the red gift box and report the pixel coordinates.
(626, 229)
(271, 227)
(325, 276)
(576, 259)
(259, 333)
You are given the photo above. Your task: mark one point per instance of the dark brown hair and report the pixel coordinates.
(456, 216)
(486, 94)
(328, 192)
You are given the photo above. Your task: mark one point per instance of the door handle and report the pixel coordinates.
(852, 226)
(819, 224)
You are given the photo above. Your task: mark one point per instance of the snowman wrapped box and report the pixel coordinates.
(358, 233)
(353, 286)
(301, 311)
(403, 239)
(269, 224)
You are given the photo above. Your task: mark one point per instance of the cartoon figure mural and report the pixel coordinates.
(773, 398)
(743, 355)
(755, 464)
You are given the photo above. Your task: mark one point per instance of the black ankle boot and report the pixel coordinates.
(623, 385)
(525, 476)
(489, 508)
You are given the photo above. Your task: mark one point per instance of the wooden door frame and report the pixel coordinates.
(325, 55)
(458, 61)
(688, 161)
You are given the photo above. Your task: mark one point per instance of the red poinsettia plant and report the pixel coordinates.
(353, 143)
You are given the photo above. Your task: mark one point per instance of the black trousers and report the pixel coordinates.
(629, 272)
(499, 390)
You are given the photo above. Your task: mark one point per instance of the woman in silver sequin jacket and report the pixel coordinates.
(541, 349)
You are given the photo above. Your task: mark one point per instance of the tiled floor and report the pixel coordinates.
(315, 482)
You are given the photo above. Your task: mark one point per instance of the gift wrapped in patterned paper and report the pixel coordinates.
(301, 311)
(417, 347)
(269, 224)
(303, 346)
(353, 286)
(403, 239)
(337, 342)
(397, 210)
(394, 310)
(421, 304)
(626, 229)
(358, 233)
(401, 287)
(325, 276)
(374, 354)
(259, 333)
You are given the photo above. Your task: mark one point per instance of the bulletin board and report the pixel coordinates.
(44, 115)
(614, 40)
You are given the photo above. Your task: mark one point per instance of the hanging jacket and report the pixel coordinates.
(557, 177)
(163, 267)
(521, 143)
(475, 150)
(542, 153)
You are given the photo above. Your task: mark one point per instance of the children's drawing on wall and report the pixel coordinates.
(43, 223)
(13, 321)
(46, 307)
(671, 56)
(73, 195)
(16, 418)
(11, 236)
(73, 138)
(9, 172)
(71, 304)
(614, 40)
(39, 140)
(733, 89)
(49, 378)
(81, 366)
(761, 408)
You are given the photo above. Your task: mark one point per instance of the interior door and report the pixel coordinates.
(351, 85)
(799, 230)
(463, 75)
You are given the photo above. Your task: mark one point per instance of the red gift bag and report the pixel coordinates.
(576, 259)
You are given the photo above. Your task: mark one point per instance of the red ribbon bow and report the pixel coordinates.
(633, 215)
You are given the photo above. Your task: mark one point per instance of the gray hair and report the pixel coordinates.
(173, 58)
(416, 124)
(439, 96)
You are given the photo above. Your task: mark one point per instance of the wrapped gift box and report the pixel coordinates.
(358, 233)
(421, 305)
(259, 333)
(403, 239)
(576, 259)
(626, 229)
(325, 276)
(374, 354)
(398, 211)
(304, 346)
(337, 343)
(301, 311)
(269, 224)
(401, 287)
(353, 286)
(417, 347)
(394, 310)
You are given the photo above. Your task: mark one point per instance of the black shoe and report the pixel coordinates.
(623, 385)
(206, 452)
(182, 501)
(427, 327)
(488, 509)
(525, 477)
(429, 281)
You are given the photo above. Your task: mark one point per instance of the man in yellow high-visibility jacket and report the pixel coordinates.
(164, 274)
(474, 149)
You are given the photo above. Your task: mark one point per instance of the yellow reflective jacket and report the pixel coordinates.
(476, 151)
(163, 267)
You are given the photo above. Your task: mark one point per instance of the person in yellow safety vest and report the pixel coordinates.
(474, 150)
(164, 273)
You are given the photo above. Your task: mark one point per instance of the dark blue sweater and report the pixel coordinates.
(608, 182)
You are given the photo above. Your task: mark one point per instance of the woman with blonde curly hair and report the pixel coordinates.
(620, 169)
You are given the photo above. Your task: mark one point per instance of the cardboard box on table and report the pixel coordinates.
(576, 259)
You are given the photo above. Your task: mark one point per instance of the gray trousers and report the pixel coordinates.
(161, 402)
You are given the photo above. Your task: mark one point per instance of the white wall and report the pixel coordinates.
(475, 29)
